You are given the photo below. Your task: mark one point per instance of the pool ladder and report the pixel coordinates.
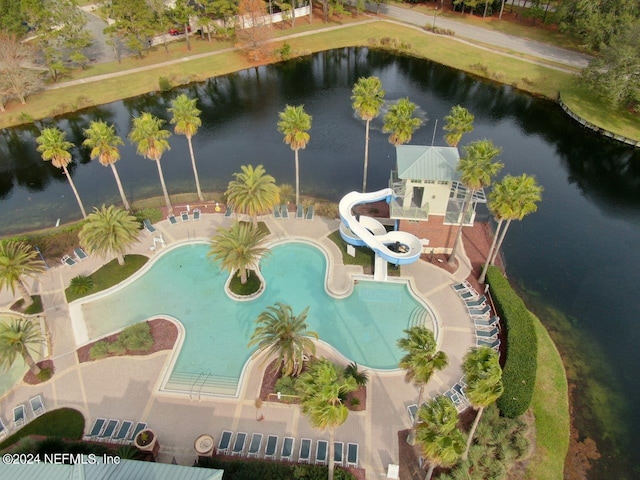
(201, 380)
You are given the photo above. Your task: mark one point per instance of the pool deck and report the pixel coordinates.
(127, 388)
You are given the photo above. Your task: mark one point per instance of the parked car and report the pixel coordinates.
(178, 30)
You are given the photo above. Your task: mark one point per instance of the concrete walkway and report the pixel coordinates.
(127, 388)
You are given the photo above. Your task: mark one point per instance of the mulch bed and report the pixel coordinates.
(30, 379)
(164, 333)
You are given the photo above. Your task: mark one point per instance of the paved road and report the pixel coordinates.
(489, 37)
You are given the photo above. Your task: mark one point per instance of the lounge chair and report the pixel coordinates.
(285, 211)
(287, 448)
(272, 446)
(147, 226)
(459, 389)
(238, 445)
(412, 410)
(321, 452)
(495, 343)
(109, 430)
(309, 215)
(487, 333)
(480, 302)
(229, 211)
(338, 453)
(19, 416)
(299, 211)
(255, 445)
(486, 323)
(225, 441)
(80, 254)
(184, 216)
(196, 213)
(37, 407)
(122, 432)
(462, 287)
(68, 261)
(172, 219)
(276, 211)
(480, 312)
(3, 429)
(352, 455)
(96, 429)
(140, 426)
(304, 455)
(453, 396)
(470, 294)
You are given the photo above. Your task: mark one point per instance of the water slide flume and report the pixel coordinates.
(366, 231)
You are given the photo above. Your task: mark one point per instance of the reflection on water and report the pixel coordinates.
(578, 252)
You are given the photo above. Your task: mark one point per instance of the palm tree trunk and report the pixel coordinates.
(411, 438)
(28, 359)
(243, 275)
(195, 169)
(366, 157)
(454, 250)
(472, 432)
(297, 178)
(499, 245)
(483, 275)
(120, 258)
(122, 195)
(26, 298)
(430, 471)
(332, 462)
(164, 188)
(73, 187)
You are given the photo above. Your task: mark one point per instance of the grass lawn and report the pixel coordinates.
(252, 286)
(35, 307)
(110, 274)
(551, 409)
(364, 256)
(66, 423)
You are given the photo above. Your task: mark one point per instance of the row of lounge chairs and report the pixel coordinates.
(79, 255)
(184, 216)
(20, 414)
(487, 326)
(228, 445)
(114, 431)
(282, 211)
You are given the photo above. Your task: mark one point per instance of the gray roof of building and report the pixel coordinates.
(418, 162)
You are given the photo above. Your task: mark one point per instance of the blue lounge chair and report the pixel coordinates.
(462, 287)
(109, 430)
(486, 323)
(172, 219)
(19, 416)
(285, 211)
(321, 452)
(352, 455)
(470, 294)
(80, 254)
(276, 211)
(147, 226)
(491, 343)
(255, 445)
(304, 455)
(272, 446)
(480, 302)
(68, 261)
(238, 445)
(412, 410)
(196, 213)
(309, 215)
(184, 216)
(287, 448)
(3, 429)
(140, 426)
(229, 211)
(480, 312)
(121, 435)
(487, 333)
(97, 428)
(225, 442)
(299, 211)
(453, 396)
(338, 453)
(37, 407)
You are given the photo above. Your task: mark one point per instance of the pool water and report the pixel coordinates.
(184, 283)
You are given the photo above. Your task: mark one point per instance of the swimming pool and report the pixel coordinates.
(184, 284)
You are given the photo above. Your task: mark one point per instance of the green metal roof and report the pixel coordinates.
(126, 470)
(417, 162)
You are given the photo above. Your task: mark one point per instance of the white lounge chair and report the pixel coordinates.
(225, 442)
(3, 429)
(140, 426)
(321, 452)
(96, 429)
(309, 215)
(487, 333)
(196, 213)
(462, 287)
(68, 261)
(121, 435)
(148, 226)
(338, 453)
(184, 215)
(272, 446)
(80, 254)
(238, 445)
(19, 416)
(412, 410)
(172, 219)
(304, 455)
(287, 448)
(255, 445)
(352, 455)
(109, 430)
(37, 407)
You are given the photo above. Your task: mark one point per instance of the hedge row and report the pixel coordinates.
(270, 470)
(519, 371)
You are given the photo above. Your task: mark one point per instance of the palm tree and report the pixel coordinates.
(400, 122)
(323, 387)
(238, 248)
(109, 231)
(18, 337)
(367, 98)
(253, 192)
(440, 414)
(282, 334)
(18, 260)
(421, 360)
(481, 367)
(294, 124)
(459, 122)
(186, 118)
(477, 169)
(53, 146)
(440, 448)
(151, 143)
(103, 141)
(511, 199)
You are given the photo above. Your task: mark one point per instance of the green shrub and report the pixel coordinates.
(81, 284)
(286, 385)
(165, 84)
(64, 423)
(267, 470)
(99, 350)
(117, 347)
(361, 377)
(519, 371)
(137, 337)
(152, 214)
